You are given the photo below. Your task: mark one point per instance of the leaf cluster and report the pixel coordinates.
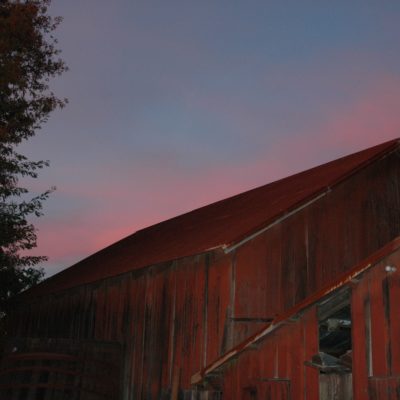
(29, 58)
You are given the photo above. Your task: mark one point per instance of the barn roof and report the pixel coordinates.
(218, 225)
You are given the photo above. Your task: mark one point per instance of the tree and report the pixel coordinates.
(28, 59)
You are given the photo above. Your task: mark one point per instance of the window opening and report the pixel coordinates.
(334, 359)
(334, 335)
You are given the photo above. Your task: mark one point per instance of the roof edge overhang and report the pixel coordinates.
(258, 231)
(393, 145)
(40, 289)
(227, 247)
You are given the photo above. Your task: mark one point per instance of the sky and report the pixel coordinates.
(177, 104)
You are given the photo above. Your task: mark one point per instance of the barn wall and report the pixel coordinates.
(277, 368)
(170, 320)
(294, 258)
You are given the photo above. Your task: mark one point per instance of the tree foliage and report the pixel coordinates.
(29, 58)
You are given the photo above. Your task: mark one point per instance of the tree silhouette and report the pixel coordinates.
(29, 58)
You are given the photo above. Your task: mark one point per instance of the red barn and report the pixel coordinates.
(287, 291)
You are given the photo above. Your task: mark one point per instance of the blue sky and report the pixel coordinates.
(175, 104)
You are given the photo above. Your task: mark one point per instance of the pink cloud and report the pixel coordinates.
(373, 118)
(370, 119)
(139, 197)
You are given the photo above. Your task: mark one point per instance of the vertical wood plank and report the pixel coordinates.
(311, 347)
(379, 332)
(394, 293)
(360, 304)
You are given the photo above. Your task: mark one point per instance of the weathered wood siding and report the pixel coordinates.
(296, 257)
(278, 365)
(174, 318)
(170, 320)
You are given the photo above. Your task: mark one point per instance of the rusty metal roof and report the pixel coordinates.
(218, 225)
